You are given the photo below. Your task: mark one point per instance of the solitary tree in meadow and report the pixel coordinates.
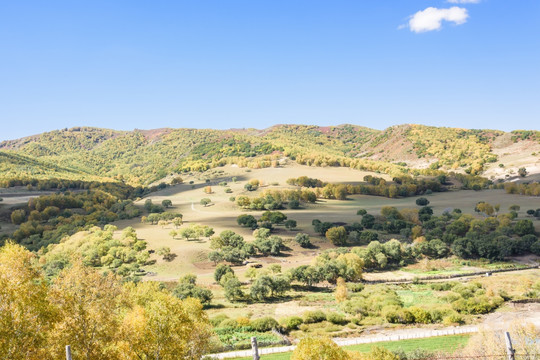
(205, 201)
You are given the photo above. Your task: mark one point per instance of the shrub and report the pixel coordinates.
(477, 305)
(361, 212)
(243, 321)
(312, 317)
(355, 287)
(264, 324)
(229, 323)
(452, 319)
(218, 319)
(420, 315)
(444, 286)
(422, 201)
(336, 318)
(291, 323)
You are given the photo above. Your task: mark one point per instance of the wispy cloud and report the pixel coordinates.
(463, 1)
(431, 18)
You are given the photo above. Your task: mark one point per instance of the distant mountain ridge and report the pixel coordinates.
(144, 156)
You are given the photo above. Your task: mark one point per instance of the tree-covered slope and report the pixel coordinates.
(144, 156)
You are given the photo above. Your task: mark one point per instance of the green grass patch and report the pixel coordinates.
(447, 344)
(412, 298)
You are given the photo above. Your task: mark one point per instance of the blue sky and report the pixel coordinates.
(231, 63)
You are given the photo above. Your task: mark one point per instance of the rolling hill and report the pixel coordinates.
(141, 157)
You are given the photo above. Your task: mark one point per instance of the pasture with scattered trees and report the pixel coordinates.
(331, 251)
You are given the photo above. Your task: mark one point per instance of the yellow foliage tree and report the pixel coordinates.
(318, 349)
(341, 292)
(416, 232)
(25, 314)
(161, 326)
(354, 265)
(89, 306)
(94, 313)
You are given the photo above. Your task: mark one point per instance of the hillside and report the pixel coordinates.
(145, 156)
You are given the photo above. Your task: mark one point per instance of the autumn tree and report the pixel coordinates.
(341, 290)
(161, 326)
(310, 348)
(25, 313)
(89, 306)
(337, 235)
(18, 217)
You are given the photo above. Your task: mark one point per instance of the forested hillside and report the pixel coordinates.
(141, 157)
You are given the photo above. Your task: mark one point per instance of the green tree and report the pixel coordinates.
(274, 217)
(261, 288)
(368, 221)
(187, 288)
(294, 204)
(269, 246)
(247, 220)
(290, 224)
(205, 201)
(166, 203)
(166, 253)
(524, 227)
(222, 270)
(233, 289)
(303, 240)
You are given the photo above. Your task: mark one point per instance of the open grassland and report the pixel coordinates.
(221, 215)
(443, 344)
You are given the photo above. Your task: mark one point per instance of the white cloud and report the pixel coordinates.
(431, 18)
(463, 1)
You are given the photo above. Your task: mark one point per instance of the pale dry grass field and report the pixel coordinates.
(222, 213)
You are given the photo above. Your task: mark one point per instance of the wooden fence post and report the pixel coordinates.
(68, 352)
(509, 349)
(254, 348)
